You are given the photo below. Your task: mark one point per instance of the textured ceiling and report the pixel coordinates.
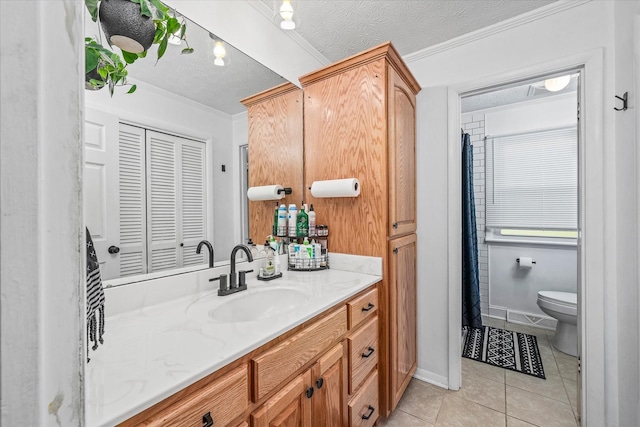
(335, 28)
(195, 76)
(341, 28)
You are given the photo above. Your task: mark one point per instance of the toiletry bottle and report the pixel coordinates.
(312, 221)
(291, 219)
(275, 221)
(282, 221)
(269, 262)
(302, 223)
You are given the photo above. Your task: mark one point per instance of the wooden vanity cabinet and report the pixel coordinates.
(299, 379)
(359, 121)
(402, 325)
(275, 151)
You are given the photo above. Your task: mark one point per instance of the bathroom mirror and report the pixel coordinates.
(189, 109)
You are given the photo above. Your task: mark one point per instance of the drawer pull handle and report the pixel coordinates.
(369, 352)
(319, 382)
(367, 416)
(368, 307)
(207, 421)
(310, 392)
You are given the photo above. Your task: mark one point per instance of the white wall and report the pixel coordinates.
(42, 277)
(505, 54)
(148, 107)
(516, 289)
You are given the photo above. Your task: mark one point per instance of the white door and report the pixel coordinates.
(100, 186)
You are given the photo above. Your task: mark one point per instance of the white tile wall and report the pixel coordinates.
(474, 126)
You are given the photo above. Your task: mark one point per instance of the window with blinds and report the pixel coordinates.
(162, 189)
(532, 180)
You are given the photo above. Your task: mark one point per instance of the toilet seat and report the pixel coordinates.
(562, 302)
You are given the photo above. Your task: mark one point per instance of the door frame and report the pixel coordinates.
(591, 274)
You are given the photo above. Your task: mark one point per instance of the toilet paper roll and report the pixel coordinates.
(525, 262)
(348, 187)
(266, 192)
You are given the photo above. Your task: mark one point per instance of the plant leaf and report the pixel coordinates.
(133, 89)
(173, 25)
(183, 31)
(144, 8)
(129, 57)
(90, 59)
(161, 9)
(162, 48)
(92, 7)
(160, 32)
(187, 50)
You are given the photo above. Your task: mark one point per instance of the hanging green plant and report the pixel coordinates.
(133, 26)
(104, 68)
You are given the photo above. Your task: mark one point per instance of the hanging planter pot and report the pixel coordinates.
(125, 27)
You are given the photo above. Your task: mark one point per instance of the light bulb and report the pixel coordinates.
(219, 52)
(286, 12)
(557, 84)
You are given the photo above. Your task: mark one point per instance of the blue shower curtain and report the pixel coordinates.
(471, 311)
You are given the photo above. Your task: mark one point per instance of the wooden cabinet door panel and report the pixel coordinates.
(402, 157)
(288, 408)
(329, 400)
(402, 286)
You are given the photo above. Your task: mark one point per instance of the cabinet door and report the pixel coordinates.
(329, 400)
(291, 407)
(402, 328)
(402, 157)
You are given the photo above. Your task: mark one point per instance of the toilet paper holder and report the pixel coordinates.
(518, 261)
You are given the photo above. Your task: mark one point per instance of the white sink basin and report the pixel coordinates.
(262, 304)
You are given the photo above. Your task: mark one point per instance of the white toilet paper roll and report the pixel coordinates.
(266, 192)
(348, 187)
(525, 262)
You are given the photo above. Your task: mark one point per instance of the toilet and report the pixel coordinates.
(562, 306)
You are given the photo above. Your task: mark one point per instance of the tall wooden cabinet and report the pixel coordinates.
(359, 121)
(275, 151)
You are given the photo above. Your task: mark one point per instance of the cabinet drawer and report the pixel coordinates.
(363, 408)
(224, 400)
(362, 307)
(363, 353)
(271, 368)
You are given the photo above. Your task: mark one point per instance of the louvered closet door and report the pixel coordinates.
(175, 178)
(133, 229)
(193, 197)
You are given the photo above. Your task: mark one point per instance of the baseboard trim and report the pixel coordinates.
(431, 378)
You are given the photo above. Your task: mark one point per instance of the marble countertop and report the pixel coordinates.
(152, 352)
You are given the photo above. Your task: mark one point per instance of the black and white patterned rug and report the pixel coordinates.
(507, 349)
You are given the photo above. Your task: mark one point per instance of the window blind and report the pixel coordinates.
(532, 180)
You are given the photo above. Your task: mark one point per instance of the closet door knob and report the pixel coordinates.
(113, 249)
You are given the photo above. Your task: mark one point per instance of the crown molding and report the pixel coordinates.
(267, 12)
(525, 18)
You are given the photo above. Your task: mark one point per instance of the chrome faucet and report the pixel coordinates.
(210, 247)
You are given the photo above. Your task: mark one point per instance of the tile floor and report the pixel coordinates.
(492, 396)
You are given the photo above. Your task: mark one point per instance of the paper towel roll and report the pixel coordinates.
(266, 192)
(348, 187)
(525, 262)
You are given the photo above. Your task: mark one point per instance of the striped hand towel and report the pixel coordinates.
(95, 298)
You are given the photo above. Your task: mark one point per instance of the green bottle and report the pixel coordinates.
(302, 223)
(275, 221)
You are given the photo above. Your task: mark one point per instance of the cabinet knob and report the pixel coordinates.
(369, 352)
(369, 414)
(368, 307)
(319, 382)
(207, 421)
(310, 392)
(395, 250)
(395, 225)
(113, 249)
